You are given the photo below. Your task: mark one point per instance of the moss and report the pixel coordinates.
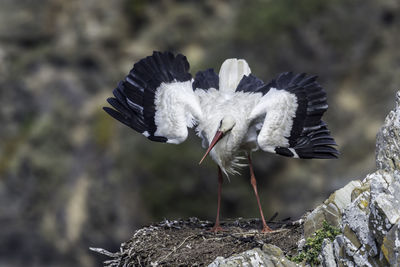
(313, 245)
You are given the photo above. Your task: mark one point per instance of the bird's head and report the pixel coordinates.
(225, 126)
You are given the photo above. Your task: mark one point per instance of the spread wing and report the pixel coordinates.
(291, 108)
(156, 98)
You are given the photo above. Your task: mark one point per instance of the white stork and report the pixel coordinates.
(234, 112)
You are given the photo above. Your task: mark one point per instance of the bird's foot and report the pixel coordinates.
(216, 229)
(266, 230)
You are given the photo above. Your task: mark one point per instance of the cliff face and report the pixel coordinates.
(367, 211)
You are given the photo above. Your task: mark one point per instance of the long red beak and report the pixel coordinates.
(215, 140)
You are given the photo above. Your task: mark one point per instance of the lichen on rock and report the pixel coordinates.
(367, 211)
(370, 218)
(391, 245)
(388, 141)
(270, 255)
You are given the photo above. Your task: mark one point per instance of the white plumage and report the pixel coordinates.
(176, 109)
(216, 106)
(234, 113)
(279, 108)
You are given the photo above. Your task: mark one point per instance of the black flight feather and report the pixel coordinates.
(309, 136)
(205, 80)
(133, 100)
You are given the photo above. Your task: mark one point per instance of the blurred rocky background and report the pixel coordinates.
(71, 177)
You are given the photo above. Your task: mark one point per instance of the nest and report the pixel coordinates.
(190, 243)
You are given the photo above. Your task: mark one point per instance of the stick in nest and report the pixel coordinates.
(174, 250)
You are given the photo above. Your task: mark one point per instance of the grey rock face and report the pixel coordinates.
(370, 222)
(388, 141)
(356, 217)
(385, 204)
(270, 255)
(367, 212)
(331, 210)
(391, 246)
(327, 254)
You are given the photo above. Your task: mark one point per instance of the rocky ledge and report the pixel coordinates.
(364, 216)
(368, 211)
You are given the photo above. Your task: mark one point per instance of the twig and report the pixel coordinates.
(273, 217)
(256, 233)
(105, 252)
(175, 249)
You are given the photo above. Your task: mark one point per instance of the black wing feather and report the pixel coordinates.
(205, 80)
(252, 84)
(309, 136)
(133, 100)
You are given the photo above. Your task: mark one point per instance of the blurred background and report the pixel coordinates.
(72, 177)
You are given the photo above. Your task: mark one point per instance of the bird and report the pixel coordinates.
(234, 113)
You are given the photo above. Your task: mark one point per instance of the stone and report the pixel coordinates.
(379, 261)
(341, 250)
(333, 215)
(314, 221)
(347, 254)
(273, 250)
(270, 255)
(328, 256)
(325, 212)
(357, 218)
(331, 210)
(351, 236)
(391, 246)
(359, 190)
(385, 204)
(367, 212)
(379, 182)
(388, 141)
(342, 197)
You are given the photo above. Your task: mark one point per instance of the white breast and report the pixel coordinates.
(216, 105)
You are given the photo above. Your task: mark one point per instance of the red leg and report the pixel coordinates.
(217, 227)
(265, 229)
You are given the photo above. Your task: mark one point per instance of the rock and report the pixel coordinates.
(356, 216)
(391, 246)
(343, 251)
(314, 221)
(357, 243)
(331, 210)
(368, 212)
(351, 236)
(342, 197)
(385, 207)
(366, 222)
(388, 141)
(328, 256)
(270, 255)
